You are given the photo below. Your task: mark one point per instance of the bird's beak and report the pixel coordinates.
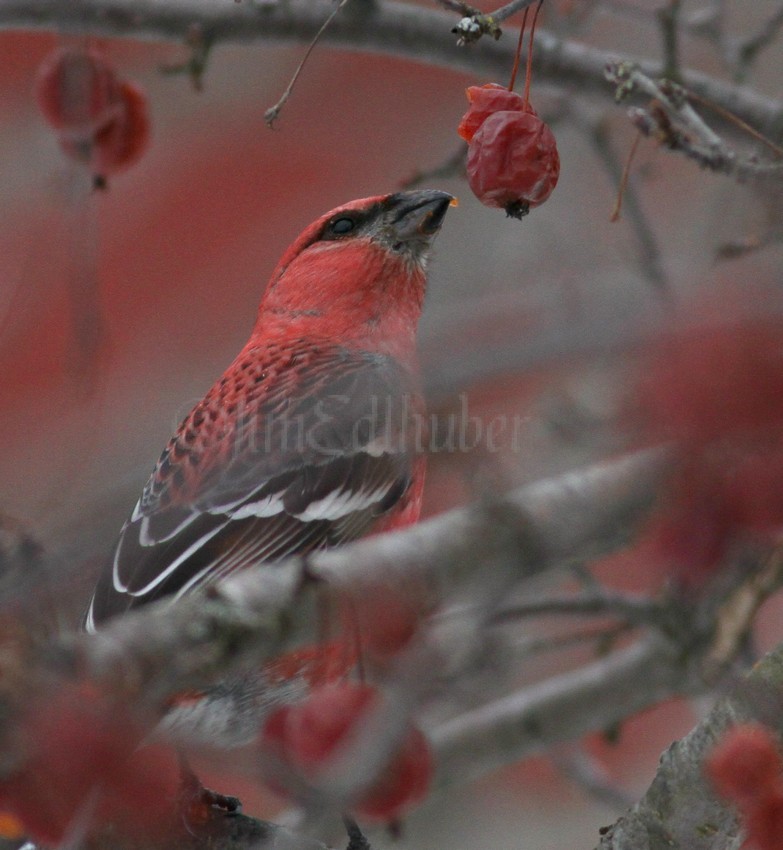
(417, 216)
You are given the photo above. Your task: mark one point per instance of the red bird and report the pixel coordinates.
(308, 440)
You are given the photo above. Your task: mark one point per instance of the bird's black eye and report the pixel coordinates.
(342, 226)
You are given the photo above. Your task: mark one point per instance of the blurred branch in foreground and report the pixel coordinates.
(687, 646)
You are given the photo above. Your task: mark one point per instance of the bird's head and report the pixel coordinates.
(359, 268)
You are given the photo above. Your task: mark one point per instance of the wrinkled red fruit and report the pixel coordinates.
(303, 737)
(120, 143)
(486, 100)
(77, 91)
(513, 162)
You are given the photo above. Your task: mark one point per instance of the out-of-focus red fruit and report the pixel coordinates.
(745, 764)
(486, 100)
(73, 743)
(306, 735)
(717, 390)
(140, 798)
(121, 142)
(723, 380)
(513, 162)
(311, 730)
(746, 769)
(77, 91)
(388, 619)
(405, 782)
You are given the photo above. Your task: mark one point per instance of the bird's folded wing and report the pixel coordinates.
(310, 458)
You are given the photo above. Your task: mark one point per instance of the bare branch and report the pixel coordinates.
(559, 709)
(400, 29)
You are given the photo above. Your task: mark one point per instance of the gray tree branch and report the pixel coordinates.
(389, 27)
(680, 810)
(256, 614)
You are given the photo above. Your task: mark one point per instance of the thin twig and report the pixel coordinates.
(604, 637)
(748, 50)
(505, 12)
(638, 610)
(668, 18)
(270, 116)
(588, 774)
(648, 252)
(670, 118)
(195, 66)
(733, 119)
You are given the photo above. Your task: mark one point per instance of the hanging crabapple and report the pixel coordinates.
(77, 92)
(484, 101)
(513, 161)
(121, 142)
(101, 120)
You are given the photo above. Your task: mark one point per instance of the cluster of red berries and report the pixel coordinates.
(513, 161)
(100, 119)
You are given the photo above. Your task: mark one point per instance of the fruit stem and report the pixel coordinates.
(519, 50)
(529, 65)
(734, 119)
(615, 216)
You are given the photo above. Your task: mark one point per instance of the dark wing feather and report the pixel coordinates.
(310, 459)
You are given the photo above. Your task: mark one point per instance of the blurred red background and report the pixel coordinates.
(177, 252)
